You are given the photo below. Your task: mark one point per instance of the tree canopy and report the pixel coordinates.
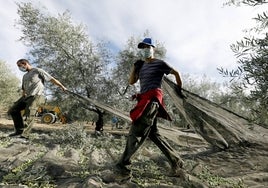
(252, 72)
(63, 49)
(9, 84)
(87, 67)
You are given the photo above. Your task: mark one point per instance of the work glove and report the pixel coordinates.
(179, 92)
(138, 64)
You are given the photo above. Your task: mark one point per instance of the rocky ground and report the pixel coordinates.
(73, 156)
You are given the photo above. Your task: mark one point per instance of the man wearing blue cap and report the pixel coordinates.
(150, 72)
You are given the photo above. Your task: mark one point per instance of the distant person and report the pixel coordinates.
(150, 72)
(99, 123)
(32, 96)
(114, 122)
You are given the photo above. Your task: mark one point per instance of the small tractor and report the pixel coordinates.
(50, 114)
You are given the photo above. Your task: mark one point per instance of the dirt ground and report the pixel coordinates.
(7, 123)
(245, 166)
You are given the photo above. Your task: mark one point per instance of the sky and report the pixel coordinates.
(197, 34)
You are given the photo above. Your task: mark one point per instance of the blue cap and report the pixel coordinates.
(146, 41)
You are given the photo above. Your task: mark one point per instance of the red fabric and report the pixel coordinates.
(144, 99)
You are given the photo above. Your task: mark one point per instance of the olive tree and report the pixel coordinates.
(246, 2)
(64, 49)
(9, 84)
(252, 72)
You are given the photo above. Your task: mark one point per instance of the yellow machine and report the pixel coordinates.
(50, 114)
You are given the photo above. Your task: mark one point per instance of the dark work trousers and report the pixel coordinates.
(146, 126)
(29, 105)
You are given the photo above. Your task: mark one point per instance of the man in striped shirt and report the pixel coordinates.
(150, 72)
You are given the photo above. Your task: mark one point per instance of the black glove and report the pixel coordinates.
(179, 92)
(138, 64)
